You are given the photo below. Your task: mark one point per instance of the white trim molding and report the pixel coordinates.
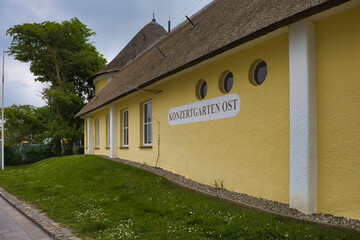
(113, 131)
(303, 155)
(90, 137)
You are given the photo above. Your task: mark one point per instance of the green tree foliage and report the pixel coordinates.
(63, 106)
(58, 53)
(25, 123)
(61, 55)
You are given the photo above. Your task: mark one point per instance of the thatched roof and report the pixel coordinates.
(145, 38)
(222, 25)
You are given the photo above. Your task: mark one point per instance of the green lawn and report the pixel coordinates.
(101, 199)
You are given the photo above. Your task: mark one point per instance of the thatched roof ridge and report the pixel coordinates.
(144, 39)
(223, 25)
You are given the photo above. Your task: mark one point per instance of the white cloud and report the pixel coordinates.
(20, 86)
(115, 22)
(38, 9)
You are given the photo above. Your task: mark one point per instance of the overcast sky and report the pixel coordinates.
(115, 22)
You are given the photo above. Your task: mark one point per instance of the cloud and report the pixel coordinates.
(20, 86)
(115, 22)
(38, 10)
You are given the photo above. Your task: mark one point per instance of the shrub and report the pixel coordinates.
(68, 152)
(15, 155)
(80, 150)
(33, 154)
(49, 152)
(11, 158)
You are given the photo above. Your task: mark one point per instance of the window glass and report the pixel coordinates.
(228, 82)
(97, 133)
(147, 123)
(260, 72)
(203, 90)
(149, 134)
(125, 133)
(149, 110)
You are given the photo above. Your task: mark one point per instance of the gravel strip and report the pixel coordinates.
(261, 204)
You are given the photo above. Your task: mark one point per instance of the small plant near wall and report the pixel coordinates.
(219, 184)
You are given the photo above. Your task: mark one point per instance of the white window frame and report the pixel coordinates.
(97, 125)
(146, 124)
(125, 128)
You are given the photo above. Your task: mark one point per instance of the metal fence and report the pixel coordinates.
(33, 153)
(26, 154)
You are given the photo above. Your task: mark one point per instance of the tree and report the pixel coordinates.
(58, 53)
(25, 123)
(63, 106)
(62, 55)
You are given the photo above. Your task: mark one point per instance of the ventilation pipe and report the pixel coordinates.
(169, 25)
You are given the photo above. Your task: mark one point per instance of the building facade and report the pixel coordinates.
(264, 99)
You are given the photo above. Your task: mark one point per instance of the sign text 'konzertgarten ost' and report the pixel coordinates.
(212, 109)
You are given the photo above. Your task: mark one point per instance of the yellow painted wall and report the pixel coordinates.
(255, 159)
(100, 84)
(103, 148)
(338, 114)
(135, 152)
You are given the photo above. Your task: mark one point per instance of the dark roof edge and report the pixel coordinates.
(285, 22)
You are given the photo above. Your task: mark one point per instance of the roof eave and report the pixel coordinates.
(283, 23)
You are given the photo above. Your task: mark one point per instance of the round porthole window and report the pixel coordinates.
(258, 72)
(201, 89)
(228, 82)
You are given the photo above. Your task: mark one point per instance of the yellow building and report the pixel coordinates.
(260, 95)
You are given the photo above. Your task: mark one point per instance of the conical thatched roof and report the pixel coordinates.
(222, 25)
(145, 38)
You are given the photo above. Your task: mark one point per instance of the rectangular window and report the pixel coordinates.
(147, 124)
(108, 131)
(97, 126)
(125, 128)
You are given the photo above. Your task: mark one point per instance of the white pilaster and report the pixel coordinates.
(90, 136)
(303, 156)
(113, 131)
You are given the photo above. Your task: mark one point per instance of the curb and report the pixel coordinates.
(37, 217)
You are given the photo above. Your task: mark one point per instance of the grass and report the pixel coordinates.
(101, 199)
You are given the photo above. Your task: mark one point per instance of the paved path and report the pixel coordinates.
(14, 226)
